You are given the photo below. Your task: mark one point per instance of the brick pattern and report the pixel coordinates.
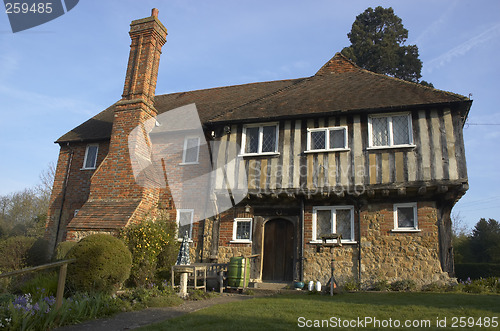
(109, 197)
(338, 64)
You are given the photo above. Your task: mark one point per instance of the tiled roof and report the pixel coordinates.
(339, 86)
(104, 214)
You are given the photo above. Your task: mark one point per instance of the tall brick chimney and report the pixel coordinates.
(115, 199)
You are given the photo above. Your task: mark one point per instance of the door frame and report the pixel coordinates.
(293, 221)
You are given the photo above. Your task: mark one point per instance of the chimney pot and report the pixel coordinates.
(154, 12)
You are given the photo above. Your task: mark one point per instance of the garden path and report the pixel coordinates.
(135, 319)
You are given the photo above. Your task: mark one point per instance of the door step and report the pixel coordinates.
(275, 286)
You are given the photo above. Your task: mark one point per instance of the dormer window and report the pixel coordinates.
(260, 139)
(393, 130)
(327, 139)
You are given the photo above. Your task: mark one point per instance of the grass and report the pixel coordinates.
(282, 312)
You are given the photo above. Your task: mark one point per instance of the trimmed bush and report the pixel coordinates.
(102, 264)
(62, 249)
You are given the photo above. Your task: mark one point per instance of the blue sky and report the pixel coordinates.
(57, 75)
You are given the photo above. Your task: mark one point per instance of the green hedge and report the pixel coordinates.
(102, 264)
(476, 270)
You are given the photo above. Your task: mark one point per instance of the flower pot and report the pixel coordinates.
(298, 285)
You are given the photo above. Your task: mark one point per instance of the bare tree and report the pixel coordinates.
(458, 226)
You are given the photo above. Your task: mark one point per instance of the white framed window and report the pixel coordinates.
(90, 160)
(242, 230)
(185, 223)
(405, 217)
(191, 150)
(327, 139)
(260, 139)
(333, 219)
(393, 130)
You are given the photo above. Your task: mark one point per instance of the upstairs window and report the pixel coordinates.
(90, 159)
(327, 139)
(405, 217)
(333, 219)
(260, 139)
(191, 150)
(390, 130)
(242, 230)
(185, 223)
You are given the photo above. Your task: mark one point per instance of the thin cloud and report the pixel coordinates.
(42, 102)
(463, 48)
(436, 27)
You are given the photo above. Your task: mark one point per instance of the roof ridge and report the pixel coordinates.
(294, 82)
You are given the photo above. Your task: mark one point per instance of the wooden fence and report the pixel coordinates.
(62, 276)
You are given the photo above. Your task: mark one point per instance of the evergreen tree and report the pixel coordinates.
(485, 241)
(377, 44)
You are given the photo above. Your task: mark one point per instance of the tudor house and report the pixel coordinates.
(376, 159)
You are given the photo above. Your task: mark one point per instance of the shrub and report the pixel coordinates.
(14, 252)
(154, 249)
(150, 296)
(380, 285)
(435, 287)
(403, 285)
(38, 253)
(62, 249)
(351, 285)
(102, 264)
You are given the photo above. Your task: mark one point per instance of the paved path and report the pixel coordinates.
(136, 319)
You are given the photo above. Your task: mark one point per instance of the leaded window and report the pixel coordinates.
(405, 216)
(260, 139)
(390, 130)
(333, 219)
(327, 139)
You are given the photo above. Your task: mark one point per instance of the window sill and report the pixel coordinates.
(87, 168)
(390, 147)
(259, 154)
(344, 242)
(188, 163)
(327, 150)
(406, 230)
(180, 240)
(240, 241)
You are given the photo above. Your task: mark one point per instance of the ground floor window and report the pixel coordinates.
(333, 219)
(185, 223)
(242, 230)
(405, 216)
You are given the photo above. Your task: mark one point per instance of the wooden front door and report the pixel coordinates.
(278, 251)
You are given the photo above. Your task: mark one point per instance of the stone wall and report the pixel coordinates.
(385, 254)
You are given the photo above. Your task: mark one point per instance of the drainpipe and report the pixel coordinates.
(302, 216)
(359, 242)
(63, 198)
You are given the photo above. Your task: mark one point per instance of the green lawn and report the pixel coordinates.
(285, 312)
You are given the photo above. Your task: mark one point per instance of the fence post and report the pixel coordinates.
(60, 285)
